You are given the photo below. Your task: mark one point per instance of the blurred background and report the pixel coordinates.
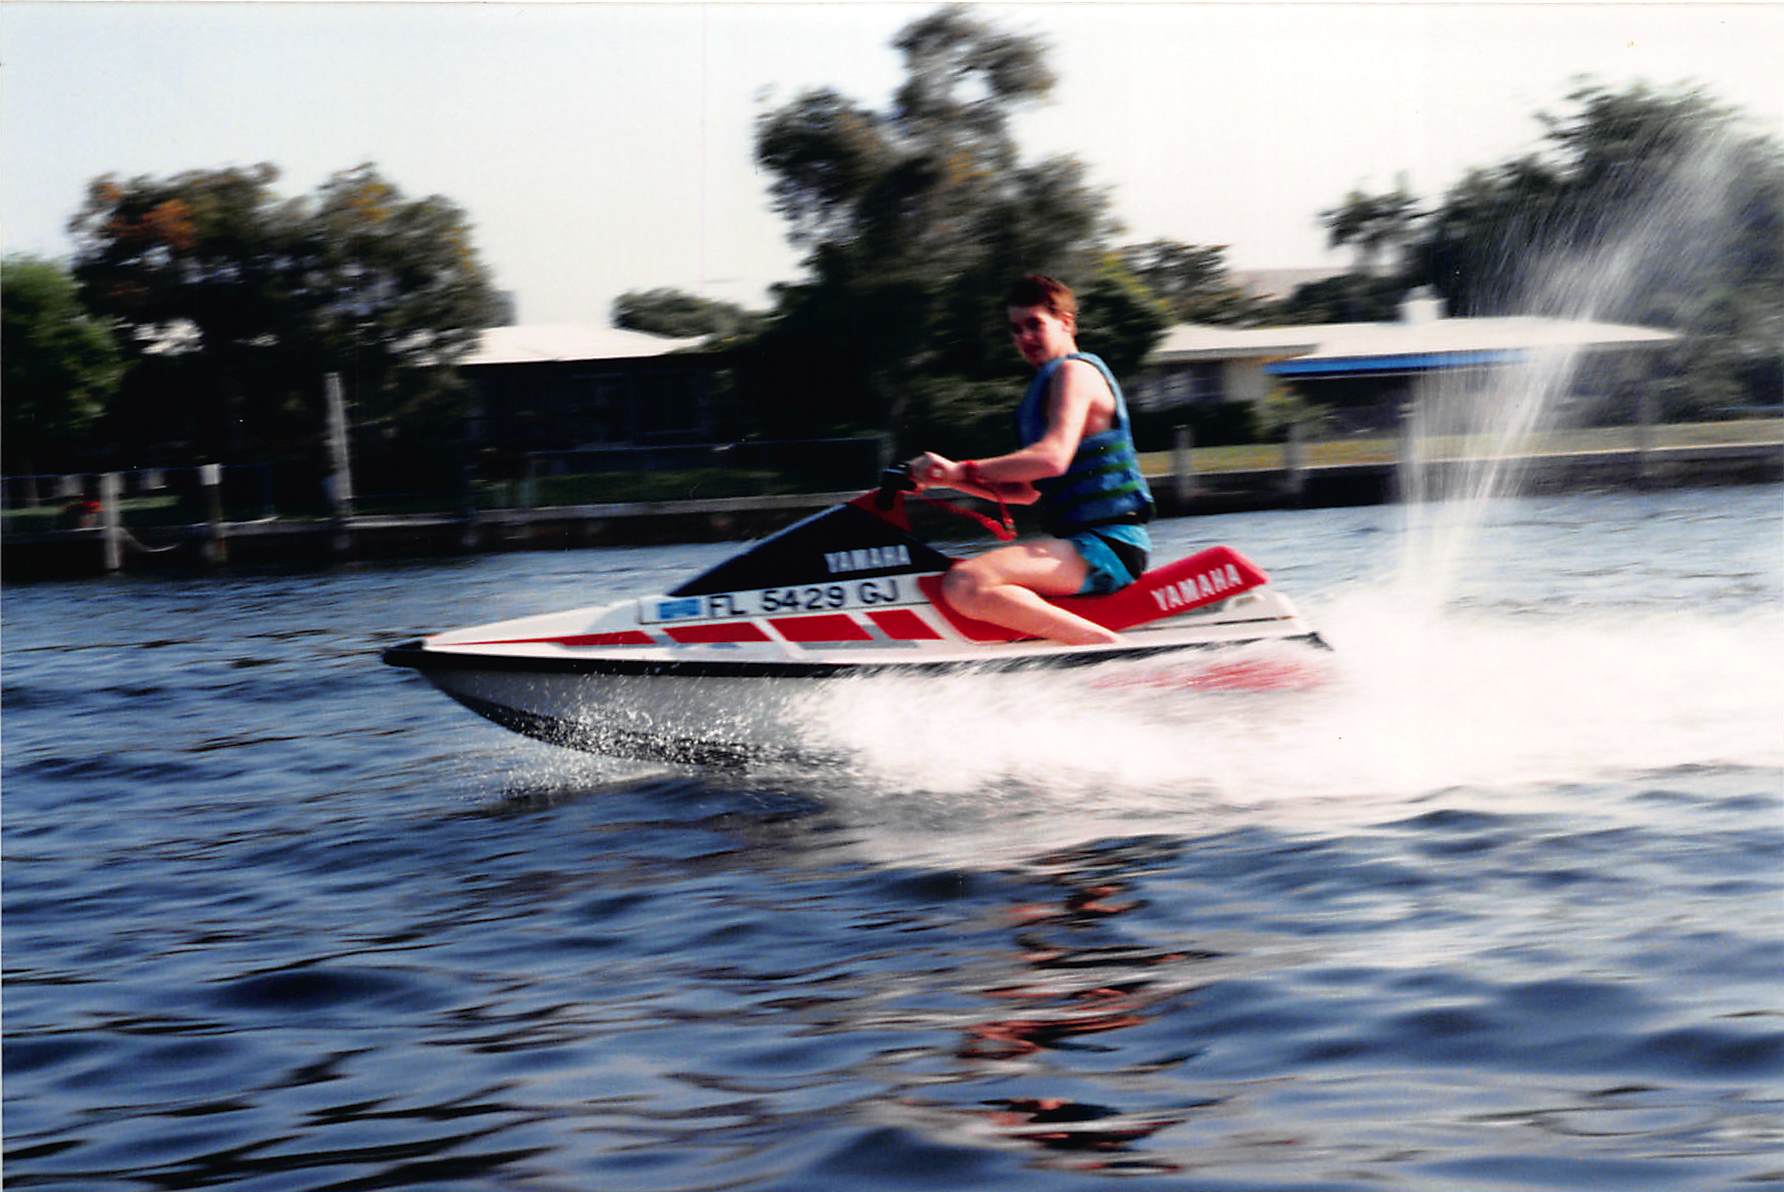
(562, 255)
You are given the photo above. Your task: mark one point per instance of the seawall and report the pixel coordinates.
(320, 542)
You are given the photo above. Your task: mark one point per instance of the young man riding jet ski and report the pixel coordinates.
(1077, 460)
(712, 669)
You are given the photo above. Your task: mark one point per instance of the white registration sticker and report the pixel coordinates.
(765, 602)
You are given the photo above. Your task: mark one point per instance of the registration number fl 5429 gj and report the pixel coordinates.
(860, 593)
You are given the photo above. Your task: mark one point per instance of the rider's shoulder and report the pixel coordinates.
(1077, 370)
(1074, 366)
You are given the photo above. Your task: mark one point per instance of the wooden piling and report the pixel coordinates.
(1646, 415)
(215, 550)
(339, 484)
(111, 520)
(1407, 483)
(1183, 467)
(1294, 460)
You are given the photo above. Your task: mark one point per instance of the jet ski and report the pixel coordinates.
(707, 672)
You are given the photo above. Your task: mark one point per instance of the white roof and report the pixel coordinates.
(1339, 341)
(538, 342)
(1190, 341)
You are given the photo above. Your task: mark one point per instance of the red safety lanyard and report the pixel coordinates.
(1003, 532)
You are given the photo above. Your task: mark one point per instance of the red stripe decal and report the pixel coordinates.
(733, 631)
(831, 627)
(901, 624)
(627, 637)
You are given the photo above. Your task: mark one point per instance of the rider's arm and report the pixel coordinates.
(1076, 385)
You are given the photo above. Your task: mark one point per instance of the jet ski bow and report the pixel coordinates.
(703, 672)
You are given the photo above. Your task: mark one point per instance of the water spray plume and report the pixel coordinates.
(1471, 436)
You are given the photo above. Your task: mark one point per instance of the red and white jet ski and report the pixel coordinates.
(705, 672)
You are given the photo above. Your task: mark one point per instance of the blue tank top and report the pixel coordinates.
(1103, 485)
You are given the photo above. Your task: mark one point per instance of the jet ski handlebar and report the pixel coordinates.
(897, 479)
(894, 480)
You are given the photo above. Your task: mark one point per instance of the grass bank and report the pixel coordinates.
(1382, 449)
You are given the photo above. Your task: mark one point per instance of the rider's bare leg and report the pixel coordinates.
(1005, 587)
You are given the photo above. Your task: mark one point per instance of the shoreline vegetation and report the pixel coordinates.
(705, 484)
(710, 504)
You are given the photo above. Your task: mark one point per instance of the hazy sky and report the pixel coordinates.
(606, 147)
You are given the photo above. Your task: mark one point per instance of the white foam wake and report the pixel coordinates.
(1403, 707)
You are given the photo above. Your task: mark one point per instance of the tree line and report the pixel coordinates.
(1651, 206)
(200, 311)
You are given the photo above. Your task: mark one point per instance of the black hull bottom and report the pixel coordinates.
(597, 734)
(628, 744)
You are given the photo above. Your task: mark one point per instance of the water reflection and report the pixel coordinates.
(1069, 989)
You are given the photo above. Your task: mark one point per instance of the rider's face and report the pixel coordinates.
(1039, 334)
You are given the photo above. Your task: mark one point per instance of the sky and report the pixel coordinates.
(601, 148)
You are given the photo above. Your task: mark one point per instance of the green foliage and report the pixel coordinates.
(1283, 408)
(680, 315)
(1217, 424)
(1347, 298)
(1118, 317)
(915, 220)
(1373, 223)
(59, 366)
(210, 250)
(257, 296)
(960, 418)
(1191, 282)
(400, 284)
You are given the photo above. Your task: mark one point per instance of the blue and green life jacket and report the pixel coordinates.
(1103, 485)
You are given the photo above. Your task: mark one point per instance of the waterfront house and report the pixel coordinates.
(565, 387)
(1364, 371)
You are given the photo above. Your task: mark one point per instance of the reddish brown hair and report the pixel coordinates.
(1037, 289)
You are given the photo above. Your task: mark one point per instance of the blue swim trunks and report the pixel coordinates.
(1115, 555)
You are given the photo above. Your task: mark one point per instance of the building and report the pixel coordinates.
(1361, 367)
(563, 387)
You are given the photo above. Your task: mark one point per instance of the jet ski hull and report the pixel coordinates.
(717, 669)
(730, 710)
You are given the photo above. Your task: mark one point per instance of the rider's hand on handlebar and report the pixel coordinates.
(930, 469)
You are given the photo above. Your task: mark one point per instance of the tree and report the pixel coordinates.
(194, 266)
(1373, 223)
(259, 295)
(1640, 206)
(399, 294)
(915, 219)
(680, 315)
(59, 366)
(1346, 298)
(1191, 282)
(1119, 318)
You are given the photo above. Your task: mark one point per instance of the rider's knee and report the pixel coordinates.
(962, 583)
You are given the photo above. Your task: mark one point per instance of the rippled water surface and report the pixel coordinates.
(1495, 903)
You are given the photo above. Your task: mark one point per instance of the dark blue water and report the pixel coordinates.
(1497, 904)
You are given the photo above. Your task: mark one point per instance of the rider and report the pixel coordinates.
(1077, 460)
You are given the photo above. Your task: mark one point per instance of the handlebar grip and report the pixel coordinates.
(894, 480)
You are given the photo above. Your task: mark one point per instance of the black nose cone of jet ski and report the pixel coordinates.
(409, 653)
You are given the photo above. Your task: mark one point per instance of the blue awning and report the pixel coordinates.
(1362, 366)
